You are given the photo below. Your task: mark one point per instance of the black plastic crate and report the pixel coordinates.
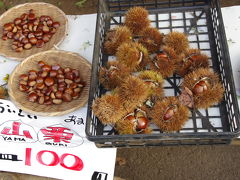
(202, 21)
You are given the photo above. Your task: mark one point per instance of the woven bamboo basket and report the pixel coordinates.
(39, 9)
(51, 57)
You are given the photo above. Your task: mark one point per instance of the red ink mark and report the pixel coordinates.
(28, 156)
(15, 130)
(54, 161)
(77, 166)
(57, 134)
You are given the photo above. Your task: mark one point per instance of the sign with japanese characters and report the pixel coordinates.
(57, 146)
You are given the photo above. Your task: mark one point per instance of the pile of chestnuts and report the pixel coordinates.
(52, 84)
(28, 31)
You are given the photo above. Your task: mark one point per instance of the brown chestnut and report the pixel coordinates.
(200, 87)
(69, 91)
(142, 123)
(38, 33)
(46, 68)
(75, 95)
(45, 38)
(49, 81)
(49, 22)
(40, 86)
(43, 74)
(75, 73)
(25, 40)
(53, 30)
(69, 75)
(28, 46)
(55, 24)
(77, 90)
(53, 73)
(23, 88)
(61, 80)
(24, 16)
(8, 27)
(31, 16)
(41, 63)
(46, 29)
(39, 80)
(40, 43)
(58, 94)
(56, 67)
(57, 101)
(33, 40)
(23, 77)
(41, 100)
(10, 35)
(73, 85)
(14, 29)
(17, 21)
(32, 83)
(32, 97)
(48, 102)
(19, 49)
(77, 80)
(23, 82)
(68, 81)
(169, 113)
(42, 18)
(4, 38)
(67, 97)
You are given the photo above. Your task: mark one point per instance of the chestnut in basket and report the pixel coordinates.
(29, 30)
(45, 87)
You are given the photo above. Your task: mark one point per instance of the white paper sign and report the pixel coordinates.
(54, 146)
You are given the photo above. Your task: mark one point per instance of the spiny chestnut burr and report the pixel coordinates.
(133, 92)
(133, 123)
(191, 60)
(108, 108)
(154, 80)
(133, 55)
(151, 38)
(206, 87)
(164, 62)
(115, 37)
(178, 41)
(113, 74)
(136, 19)
(169, 114)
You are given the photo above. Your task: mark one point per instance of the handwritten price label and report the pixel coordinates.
(56, 159)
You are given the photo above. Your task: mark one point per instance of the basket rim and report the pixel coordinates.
(37, 3)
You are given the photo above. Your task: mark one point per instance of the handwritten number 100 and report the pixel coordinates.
(77, 166)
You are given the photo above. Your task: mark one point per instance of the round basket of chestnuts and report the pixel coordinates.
(30, 28)
(50, 83)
